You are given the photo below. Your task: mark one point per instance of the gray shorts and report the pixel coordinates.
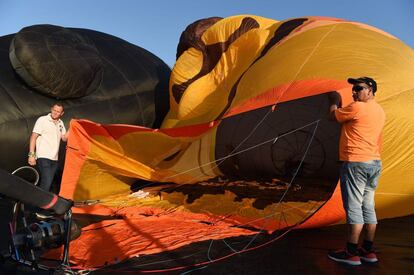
(358, 183)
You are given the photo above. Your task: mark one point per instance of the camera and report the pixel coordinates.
(30, 237)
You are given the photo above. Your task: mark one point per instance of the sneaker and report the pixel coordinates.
(343, 256)
(367, 256)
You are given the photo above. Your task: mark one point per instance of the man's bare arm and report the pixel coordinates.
(335, 102)
(65, 136)
(32, 149)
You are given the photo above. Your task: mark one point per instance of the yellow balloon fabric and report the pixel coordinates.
(250, 62)
(326, 50)
(244, 89)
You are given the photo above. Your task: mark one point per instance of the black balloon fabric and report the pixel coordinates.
(56, 61)
(96, 76)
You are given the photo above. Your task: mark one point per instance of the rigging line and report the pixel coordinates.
(273, 139)
(291, 181)
(290, 85)
(247, 149)
(269, 111)
(209, 249)
(296, 172)
(220, 258)
(210, 260)
(303, 158)
(279, 203)
(234, 154)
(240, 251)
(171, 260)
(164, 261)
(221, 160)
(311, 54)
(265, 116)
(217, 164)
(250, 134)
(229, 246)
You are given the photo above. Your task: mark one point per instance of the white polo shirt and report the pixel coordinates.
(50, 134)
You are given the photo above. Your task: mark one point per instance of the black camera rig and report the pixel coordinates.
(29, 239)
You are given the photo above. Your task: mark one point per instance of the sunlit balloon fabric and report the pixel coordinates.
(246, 145)
(93, 74)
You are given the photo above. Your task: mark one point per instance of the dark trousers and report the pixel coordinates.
(47, 169)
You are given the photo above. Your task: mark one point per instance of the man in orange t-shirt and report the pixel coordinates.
(359, 150)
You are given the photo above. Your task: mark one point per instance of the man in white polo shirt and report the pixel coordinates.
(44, 144)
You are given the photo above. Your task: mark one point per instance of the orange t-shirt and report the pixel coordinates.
(362, 124)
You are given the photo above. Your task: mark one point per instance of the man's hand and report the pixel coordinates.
(32, 161)
(65, 136)
(32, 148)
(335, 102)
(335, 99)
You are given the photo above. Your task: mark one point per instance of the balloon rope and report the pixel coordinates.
(233, 153)
(279, 203)
(273, 139)
(268, 112)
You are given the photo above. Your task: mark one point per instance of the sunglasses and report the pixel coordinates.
(358, 88)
